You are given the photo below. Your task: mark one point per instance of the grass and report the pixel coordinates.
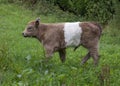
(22, 61)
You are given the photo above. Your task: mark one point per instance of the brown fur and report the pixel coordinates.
(89, 39)
(52, 38)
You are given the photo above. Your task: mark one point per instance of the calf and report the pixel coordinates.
(59, 36)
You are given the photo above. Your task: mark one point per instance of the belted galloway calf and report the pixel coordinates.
(59, 36)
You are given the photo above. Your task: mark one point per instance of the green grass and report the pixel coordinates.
(22, 61)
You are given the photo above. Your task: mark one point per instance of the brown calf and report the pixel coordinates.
(59, 36)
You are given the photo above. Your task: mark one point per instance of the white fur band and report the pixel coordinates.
(72, 34)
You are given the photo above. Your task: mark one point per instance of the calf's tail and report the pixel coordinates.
(100, 28)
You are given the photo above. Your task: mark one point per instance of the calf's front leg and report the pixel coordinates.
(48, 51)
(62, 54)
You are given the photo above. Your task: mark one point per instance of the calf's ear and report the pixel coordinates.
(37, 22)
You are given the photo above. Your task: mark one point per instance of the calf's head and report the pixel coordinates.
(32, 29)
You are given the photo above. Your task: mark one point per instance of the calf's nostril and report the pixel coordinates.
(23, 34)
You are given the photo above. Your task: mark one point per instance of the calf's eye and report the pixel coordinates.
(29, 28)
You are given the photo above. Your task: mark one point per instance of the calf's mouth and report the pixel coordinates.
(24, 35)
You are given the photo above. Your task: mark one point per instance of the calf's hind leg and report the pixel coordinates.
(93, 52)
(94, 55)
(86, 58)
